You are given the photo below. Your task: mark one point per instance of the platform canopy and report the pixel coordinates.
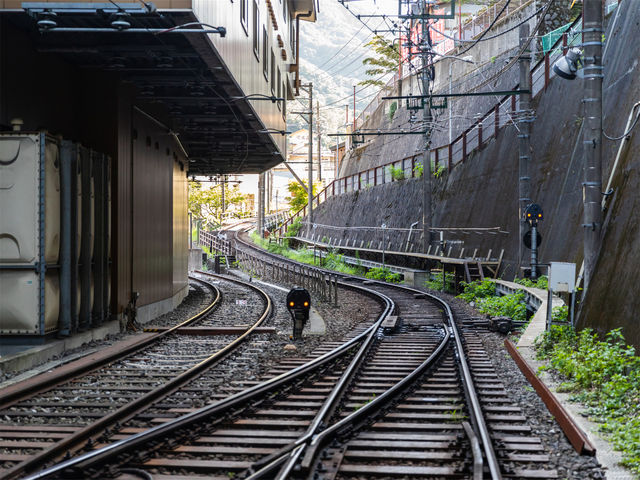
(180, 73)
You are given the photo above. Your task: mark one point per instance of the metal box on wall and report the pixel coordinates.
(21, 195)
(54, 235)
(29, 233)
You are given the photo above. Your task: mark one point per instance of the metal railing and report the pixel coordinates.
(474, 137)
(216, 242)
(322, 284)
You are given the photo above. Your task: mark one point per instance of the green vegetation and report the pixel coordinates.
(418, 170)
(436, 281)
(483, 294)
(386, 59)
(396, 173)
(294, 228)
(298, 197)
(205, 203)
(384, 274)
(511, 306)
(542, 282)
(474, 290)
(439, 171)
(604, 376)
(332, 261)
(392, 110)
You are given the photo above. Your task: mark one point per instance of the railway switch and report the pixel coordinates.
(298, 304)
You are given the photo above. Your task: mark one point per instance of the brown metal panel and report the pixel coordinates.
(152, 212)
(121, 211)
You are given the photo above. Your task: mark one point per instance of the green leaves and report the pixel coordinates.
(605, 376)
(384, 274)
(385, 59)
(298, 197)
(542, 282)
(477, 289)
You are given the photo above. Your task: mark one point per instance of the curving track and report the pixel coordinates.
(54, 413)
(412, 395)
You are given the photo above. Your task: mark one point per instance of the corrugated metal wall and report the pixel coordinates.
(152, 218)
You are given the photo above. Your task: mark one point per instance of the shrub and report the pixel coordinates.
(511, 306)
(392, 110)
(396, 173)
(439, 171)
(384, 274)
(605, 376)
(418, 170)
(436, 281)
(477, 289)
(542, 282)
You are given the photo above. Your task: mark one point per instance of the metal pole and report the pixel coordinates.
(261, 204)
(222, 195)
(426, 116)
(592, 140)
(450, 105)
(66, 231)
(310, 159)
(354, 108)
(524, 182)
(534, 251)
(319, 140)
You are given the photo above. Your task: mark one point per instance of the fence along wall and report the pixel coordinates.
(473, 138)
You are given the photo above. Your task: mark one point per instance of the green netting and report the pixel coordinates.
(552, 37)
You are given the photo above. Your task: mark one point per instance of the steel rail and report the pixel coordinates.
(476, 415)
(75, 467)
(375, 405)
(130, 409)
(45, 381)
(271, 461)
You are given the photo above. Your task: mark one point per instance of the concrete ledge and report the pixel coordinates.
(42, 353)
(537, 299)
(146, 313)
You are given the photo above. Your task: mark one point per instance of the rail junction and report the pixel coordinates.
(408, 393)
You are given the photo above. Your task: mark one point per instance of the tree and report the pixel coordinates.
(298, 197)
(206, 203)
(386, 60)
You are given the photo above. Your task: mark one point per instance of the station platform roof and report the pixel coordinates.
(196, 96)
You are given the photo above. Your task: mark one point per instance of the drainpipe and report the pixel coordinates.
(297, 64)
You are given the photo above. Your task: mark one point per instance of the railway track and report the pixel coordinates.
(410, 395)
(55, 413)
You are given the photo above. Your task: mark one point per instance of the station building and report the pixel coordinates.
(105, 108)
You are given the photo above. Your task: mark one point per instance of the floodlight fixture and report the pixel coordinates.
(567, 66)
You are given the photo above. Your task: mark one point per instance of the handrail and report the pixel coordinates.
(460, 148)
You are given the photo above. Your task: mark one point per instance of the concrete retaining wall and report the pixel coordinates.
(483, 192)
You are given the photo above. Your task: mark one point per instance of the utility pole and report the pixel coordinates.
(261, 204)
(319, 139)
(354, 108)
(524, 181)
(222, 195)
(310, 159)
(426, 118)
(592, 140)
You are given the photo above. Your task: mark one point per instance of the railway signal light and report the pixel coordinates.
(533, 214)
(298, 304)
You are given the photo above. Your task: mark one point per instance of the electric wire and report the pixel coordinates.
(635, 122)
